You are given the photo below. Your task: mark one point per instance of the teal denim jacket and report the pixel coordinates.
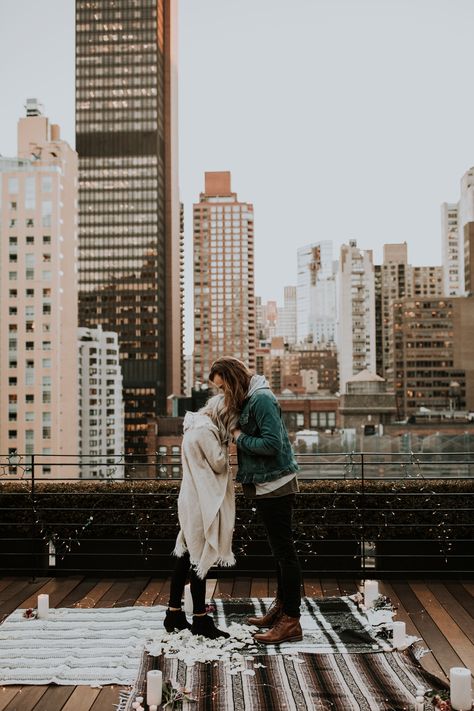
(264, 451)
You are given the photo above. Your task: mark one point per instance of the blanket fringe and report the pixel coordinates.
(180, 547)
(125, 697)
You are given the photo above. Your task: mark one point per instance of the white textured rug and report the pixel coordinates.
(77, 646)
(104, 646)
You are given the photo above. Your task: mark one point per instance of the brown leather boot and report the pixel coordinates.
(286, 629)
(274, 612)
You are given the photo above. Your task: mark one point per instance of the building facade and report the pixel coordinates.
(38, 295)
(432, 340)
(316, 294)
(356, 312)
(452, 277)
(224, 300)
(101, 412)
(302, 368)
(395, 280)
(129, 211)
(286, 316)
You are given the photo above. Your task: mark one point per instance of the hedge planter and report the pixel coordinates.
(27, 556)
(424, 556)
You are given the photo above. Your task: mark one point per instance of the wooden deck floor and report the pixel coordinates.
(442, 613)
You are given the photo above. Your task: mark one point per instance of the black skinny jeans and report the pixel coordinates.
(277, 515)
(183, 571)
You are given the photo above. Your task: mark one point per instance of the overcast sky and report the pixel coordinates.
(339, 119)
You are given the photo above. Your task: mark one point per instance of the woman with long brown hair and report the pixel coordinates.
(267, 471)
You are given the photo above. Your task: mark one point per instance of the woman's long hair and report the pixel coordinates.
(236, 377)
(224, 419)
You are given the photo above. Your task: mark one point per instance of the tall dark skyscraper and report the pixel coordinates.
(129, 212)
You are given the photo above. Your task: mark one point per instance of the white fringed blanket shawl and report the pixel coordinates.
(206, 502)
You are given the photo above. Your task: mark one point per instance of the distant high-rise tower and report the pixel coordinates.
(38, 295)
(129, 224)
(224, 302)
(397, 280)
(286, 319)
(101, 430)
(452, 277)
(356, 312)
(316, 293)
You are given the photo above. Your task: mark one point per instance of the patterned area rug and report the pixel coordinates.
(307, 682)
(104, 646)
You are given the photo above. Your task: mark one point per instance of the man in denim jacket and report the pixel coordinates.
(267, 471)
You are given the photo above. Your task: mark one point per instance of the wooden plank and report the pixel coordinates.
(5, 582)
(456, 637)
(26, 698)
(150, 592)
(107, 698)
(57, 589)
(259, 587)
(22, 590)
(272, 586)
(348, 587)
(7, 693)
(241, 587)
(16, 588)
(210, 588)
(459, 614)
(131, 592)
(113, 594)
(54, 698)
(330, 587)
(79, 592)
(94, 595)
(469, 586)
(81, 699)
(224, 588)
(312, 587)
(430, 632)
(427, 661)
(163, 597)
(462, 595)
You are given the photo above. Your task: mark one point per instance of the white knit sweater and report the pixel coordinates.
(206, 502)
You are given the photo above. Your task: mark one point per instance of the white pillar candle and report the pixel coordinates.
(153, 707)
(154, 683)
(420, 703)
(371, 592)
(188, 600)
(399, 634)
(461, 688)
(43, 606)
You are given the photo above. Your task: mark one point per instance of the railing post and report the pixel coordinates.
(33, 477)
(362, 543)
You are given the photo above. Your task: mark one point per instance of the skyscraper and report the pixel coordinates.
(224, 301)
(356, 312)
(286, 319)
(101, 430)
(316, 293)
(452, 277)
(38, 295)
(397, 280)
(129, 212)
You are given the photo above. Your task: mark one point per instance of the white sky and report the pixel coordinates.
(339, 119)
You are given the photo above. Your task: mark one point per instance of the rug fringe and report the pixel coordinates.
(124, 699)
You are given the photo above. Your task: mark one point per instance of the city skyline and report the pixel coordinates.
(368, 149)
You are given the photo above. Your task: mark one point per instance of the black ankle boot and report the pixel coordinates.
(176, 620)
(205, 626)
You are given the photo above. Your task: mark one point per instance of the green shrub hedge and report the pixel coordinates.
(341, 510)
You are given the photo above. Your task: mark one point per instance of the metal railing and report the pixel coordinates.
(359, 513)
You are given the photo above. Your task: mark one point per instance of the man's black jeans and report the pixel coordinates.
(277, 514)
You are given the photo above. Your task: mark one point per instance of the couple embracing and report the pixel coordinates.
(248, 413)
